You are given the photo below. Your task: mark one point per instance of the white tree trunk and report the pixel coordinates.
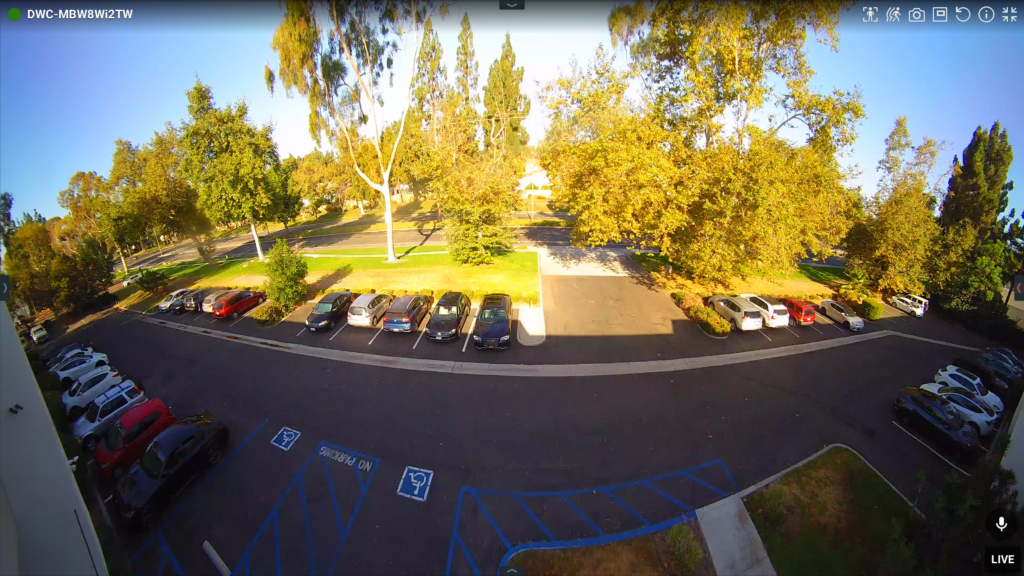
(386, 191)
(123, 263)
(361, 211)
(256, 238)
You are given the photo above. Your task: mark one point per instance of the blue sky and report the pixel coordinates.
(68, 89)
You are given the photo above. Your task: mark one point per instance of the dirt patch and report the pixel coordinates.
(765, 286)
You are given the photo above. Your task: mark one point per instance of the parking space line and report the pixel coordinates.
(265, 302)
(198, 316)
(300, 332)
(816, 329)
(470, 333)
(791, 331)
(375, 335)
(214, 320)
(418, 339)
(339, 330)
(930, 448)
(761, 332)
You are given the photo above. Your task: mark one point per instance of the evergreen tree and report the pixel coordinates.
(431, 80)
(467, 73)
(505, 105)
(978, 190)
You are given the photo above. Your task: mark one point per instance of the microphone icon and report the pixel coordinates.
(1001, 524)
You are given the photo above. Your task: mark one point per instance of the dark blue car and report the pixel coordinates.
(935, 417)
(493, 330)
(406, 313)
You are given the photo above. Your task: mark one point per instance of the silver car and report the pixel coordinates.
(842, 315)
(174, 300)
(738, 311)
(104, 412)
(88, 386)
(212, 297)
(368, 309)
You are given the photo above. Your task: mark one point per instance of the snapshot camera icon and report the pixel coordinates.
(915, 15)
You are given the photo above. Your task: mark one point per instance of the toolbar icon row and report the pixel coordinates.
(939, 14)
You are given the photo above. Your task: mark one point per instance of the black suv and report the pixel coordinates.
(493, 323)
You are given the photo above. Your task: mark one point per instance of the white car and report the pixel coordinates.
(174, 300)
(903, 303)
(368, 309)
(738, 311)
(841, 315)
(131, 280)
(86, 388)
(773, 312)
(957, 377)
(39, 334)
(76, 349)
(974, 411)
(922, 302)
(75, 366)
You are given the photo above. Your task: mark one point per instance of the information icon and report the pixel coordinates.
(986, 14)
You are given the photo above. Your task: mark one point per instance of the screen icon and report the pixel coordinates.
(986, 14)
(916, 15)
(1001, 524)
(892, 14)
(512, 5)
(938, 14)
(5, 288)
(960, 9)
(870, 13)
(1002, 559)
(1010, 14)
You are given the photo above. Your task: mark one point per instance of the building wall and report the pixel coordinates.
(1013, 458)
(53, 531)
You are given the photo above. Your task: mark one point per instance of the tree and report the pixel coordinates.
(229, 161)
(505, 105)
(286, 199)
(29, 259)
(83, 198)
(318, 178)
(431, 81)
(340, 73)
(894, 244)
(286, 275)
(7, 226)
(963, 275)
(978, 190)
(477, 201)
(79, 278)
(467, 79)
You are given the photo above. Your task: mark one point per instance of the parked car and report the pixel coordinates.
(194, 301)
(174, 301)
(328, 310)
(75, 366)
(125, 441)
(449, 317)
(174, 457)
(1009, 355)
(800, 312)
(406, 313)
(740, 313)
(922, 302)
(131, 280)
(1008, 364)
(104, 412)
(841, 315)
(974, 411)
(999, 366)
(68, 351)
(235, 304)
(212, 296)
(774, 313)
(493, 328)
(993, 376)
(368, 309)
(39, 334)
(904, 304)
(86, 388)
(960, 378)
(935, 417)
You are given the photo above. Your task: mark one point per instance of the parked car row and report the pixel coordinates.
(964, 403)
(136, 441)
(220, 302)
(746, 312)
(446, 321)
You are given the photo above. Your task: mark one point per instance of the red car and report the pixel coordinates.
(800, 312)
(234, 304)
(128, 439)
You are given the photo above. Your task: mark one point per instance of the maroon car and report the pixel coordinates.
(234, 304)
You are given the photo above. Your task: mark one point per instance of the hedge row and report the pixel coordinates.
(529, 298)
(871, 309)
(270, 314)
(706, 317)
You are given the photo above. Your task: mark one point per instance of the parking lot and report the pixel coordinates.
(317, 510)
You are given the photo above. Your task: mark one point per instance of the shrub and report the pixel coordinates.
(709, 320)
(388, 291)
(151, 280)
(685, 548)
(400, 293)
(776, 504)
(871, 309)
(426, 292)
(270, 314)
(677, 296)
(688, 301)
(286, 273)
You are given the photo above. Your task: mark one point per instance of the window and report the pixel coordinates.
(116, 403)
(464, 304)
(132, 392)
(964, 403)
(174, 459)
(760, 303)
(88, 384)
(446, 312)
(246, 294)
(150, 461)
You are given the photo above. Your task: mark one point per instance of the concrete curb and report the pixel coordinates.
(531, 331)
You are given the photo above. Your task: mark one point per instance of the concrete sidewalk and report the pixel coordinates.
(732, 539)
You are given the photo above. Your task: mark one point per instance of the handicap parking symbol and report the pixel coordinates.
(415, 483)
(285, 438)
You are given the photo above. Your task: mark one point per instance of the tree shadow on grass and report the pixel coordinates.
(330, 280)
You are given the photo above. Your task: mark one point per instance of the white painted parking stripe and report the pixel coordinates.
(300, 332)
(375, 335)
(214, 320)
(930, 448)
(198, 316)
(418, 339)
(791, 331)
(761, 332)
(339, 330)
(816, 330)
(470, 333)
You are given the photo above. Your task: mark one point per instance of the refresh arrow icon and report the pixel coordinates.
(968, 10)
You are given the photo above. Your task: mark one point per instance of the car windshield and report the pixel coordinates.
(842, 310)
(150, 462)
(323, 308)
(94, 411)
(218, 306)
(114, 439)
(446, 311)
(492, 314)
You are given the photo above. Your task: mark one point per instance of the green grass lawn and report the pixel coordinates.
(833, 516)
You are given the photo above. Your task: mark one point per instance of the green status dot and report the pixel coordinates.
(14, 14)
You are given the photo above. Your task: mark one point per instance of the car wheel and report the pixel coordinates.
(89, 444)
(847, 324)
(733, 325)
(118, 471)
(234, 315)
(213, 454)
(977, 430)
(66, 383)
(330, 325)
(75, 413)
(101, 364)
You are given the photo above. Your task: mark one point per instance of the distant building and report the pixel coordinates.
(538, 177)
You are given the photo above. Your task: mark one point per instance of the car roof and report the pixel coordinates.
(133, 416)
(115, 390)
(172, 436)
(450, 298)
(797, 302)
(403, 302)
(494, 300)
(36, 328)
(333, 296)
(95, 371)
(364, 299)
(743, 303)
(228, 294)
